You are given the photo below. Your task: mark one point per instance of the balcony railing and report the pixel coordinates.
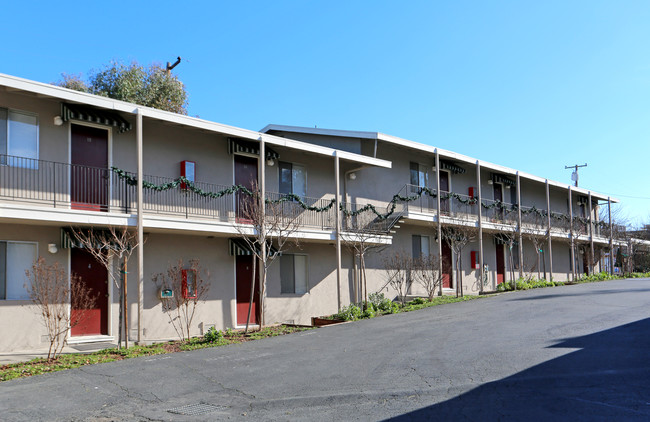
(70, 186)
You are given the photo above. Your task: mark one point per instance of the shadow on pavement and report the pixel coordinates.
(607, 379)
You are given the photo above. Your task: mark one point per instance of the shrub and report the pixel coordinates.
(382, 303)
(368, 313)
(212, 335)
(349, 313)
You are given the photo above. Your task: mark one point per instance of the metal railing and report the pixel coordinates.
(367, 221)
(61, 185)
(498, 212)
(324, 220)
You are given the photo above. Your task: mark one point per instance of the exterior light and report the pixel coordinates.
(58, 121)
(270, 162)
(353, 176)
(51, 248)
(490, 182)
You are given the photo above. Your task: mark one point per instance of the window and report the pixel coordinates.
(418, 175)
(294, 274)
(293, 179)
(420, 246)
(19, 137)
(15, 259)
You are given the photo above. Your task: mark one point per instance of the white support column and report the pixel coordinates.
(438, 214)
(480, 225)
(521, 245)
(591, 237)
(573, 258)
(139, 147)
(611, 237)
(550, 242)
(337, 175)
(262, 188)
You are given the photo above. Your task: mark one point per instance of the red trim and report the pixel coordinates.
(188, 294)
(185, 166)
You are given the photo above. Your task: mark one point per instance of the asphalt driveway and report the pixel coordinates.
(567, 353)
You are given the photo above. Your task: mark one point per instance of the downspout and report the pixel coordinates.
(480, 225)
(548, 216)
(139, 148)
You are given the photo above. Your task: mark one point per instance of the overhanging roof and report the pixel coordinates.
(15, 84)
(432, 150)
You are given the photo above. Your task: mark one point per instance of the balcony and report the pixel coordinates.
(51, 184)
(462, 209)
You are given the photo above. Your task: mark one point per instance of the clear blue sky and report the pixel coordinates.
(530, 85)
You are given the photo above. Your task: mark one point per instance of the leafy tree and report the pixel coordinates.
(149, 86)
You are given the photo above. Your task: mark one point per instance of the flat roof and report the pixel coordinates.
(15, 84)
(431, 149)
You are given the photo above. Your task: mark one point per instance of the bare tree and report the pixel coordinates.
(63, 303)
(189, 286)
(426, 271)
(457, 237)
(264, 223)
(399, 267)
(360, 243)
(104, 245)
(536, 231)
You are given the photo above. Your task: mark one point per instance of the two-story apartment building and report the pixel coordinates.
(71, 160)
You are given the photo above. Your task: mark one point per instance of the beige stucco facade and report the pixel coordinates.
(178, 225)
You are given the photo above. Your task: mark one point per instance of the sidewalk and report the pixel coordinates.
(24, 356)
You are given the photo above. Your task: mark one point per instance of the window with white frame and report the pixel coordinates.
(19, 137)
(293, 179)
(420, 246)
(294, 274)
(15, 259)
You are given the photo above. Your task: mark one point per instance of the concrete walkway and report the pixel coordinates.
(27, 355)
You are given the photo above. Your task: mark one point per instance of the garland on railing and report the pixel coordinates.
(392, 204)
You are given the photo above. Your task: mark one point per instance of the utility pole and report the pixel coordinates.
(574, 175)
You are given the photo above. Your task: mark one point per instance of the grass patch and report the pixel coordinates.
(214, 338)
(379, 305)
(527, 284)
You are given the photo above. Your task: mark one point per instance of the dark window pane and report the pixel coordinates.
(3, 270)
(285, 178)
(287, 280)
(417, 246)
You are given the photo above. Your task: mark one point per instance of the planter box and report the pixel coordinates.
(319, 321)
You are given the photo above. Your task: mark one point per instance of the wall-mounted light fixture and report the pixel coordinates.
(270, 162)
(490, 182)
(353, 176)
(51, 248)
(58, 121)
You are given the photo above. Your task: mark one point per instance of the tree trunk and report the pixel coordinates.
(126, 306)
(120, 319)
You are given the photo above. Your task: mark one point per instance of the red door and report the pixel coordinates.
(246, 176)
(444, 188)
(501, 267)
(447, 267)
(244, 277)
(498, 196)
(95, 276)
(89, 171)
